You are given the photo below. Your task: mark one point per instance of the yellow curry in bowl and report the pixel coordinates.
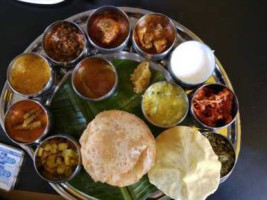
(165, 104)
(29, 74)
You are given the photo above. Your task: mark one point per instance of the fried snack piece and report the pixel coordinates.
(117, 148)
(186, 166)
(141, 77)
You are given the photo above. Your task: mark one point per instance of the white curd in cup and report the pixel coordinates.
(192, 62)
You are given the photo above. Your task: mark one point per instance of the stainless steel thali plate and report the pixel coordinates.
(233, 132)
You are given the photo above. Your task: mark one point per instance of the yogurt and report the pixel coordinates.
(192, 62)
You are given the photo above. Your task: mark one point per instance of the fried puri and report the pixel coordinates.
(117, 148)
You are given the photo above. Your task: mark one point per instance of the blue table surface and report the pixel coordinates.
(236, 30)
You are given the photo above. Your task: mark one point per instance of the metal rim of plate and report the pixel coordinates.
(7, 96)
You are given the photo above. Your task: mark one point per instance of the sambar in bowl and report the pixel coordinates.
(27, 121)
(30, 75)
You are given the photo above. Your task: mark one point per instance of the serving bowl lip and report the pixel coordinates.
(185, 98)
(44, 89)
(236, 102)
(50, 28)
(226, 176)
(184, 83)
(46, 130)
(110, 93)
(77, 168)
(121, 46)
(156, 56)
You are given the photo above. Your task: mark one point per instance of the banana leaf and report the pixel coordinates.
(72, 114)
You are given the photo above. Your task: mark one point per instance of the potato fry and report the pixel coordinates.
(58, 158)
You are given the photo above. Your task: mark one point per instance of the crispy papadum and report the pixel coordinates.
(186, 166)
(117, 148)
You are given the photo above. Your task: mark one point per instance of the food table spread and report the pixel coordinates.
(214, 196)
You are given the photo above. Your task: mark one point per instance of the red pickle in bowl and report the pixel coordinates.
(213, 107)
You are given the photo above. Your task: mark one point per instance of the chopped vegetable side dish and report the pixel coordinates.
(154, 34)
(57, 158)
(64, 43)
(224, 151)
(164, 103)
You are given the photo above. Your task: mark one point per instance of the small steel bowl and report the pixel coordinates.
(78, 167)
(210, 55)
(171, 125)
(110, 10)
(226, 140)
(218, 87)
(47, 129)
(110, 93)
(48, 85)
(50, 28)
(157, 56)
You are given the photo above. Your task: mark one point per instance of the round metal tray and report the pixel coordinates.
(233, 132)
